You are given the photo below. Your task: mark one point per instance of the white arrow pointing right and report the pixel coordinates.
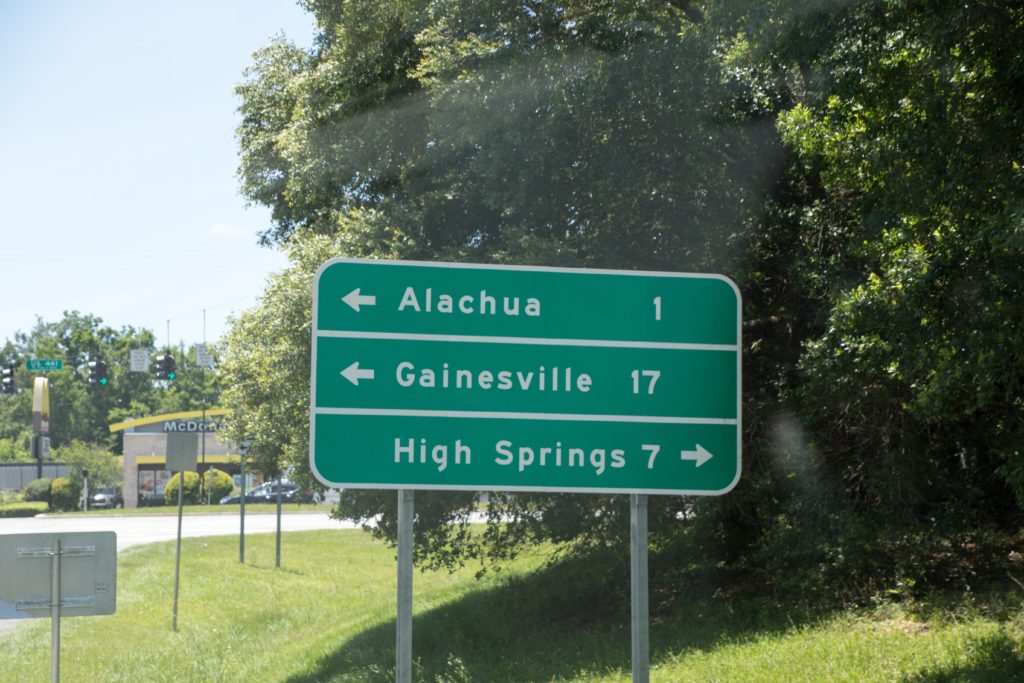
(699, 456)
(355, 299)
(354, 373)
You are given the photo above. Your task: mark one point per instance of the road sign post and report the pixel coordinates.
(473, 377)
(182, 453)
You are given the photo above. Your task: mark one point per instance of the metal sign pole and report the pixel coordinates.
(209, 470)
(638, 588)
(277, 562)
(55, 612)
(177, 553)
(403, 635)
(241, 509)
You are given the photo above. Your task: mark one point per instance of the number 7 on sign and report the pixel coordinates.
(652, 453)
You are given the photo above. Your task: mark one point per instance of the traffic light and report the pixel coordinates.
(98, 372)
(165, 367)
(8, 379)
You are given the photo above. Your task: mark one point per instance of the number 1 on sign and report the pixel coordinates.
(657, 308)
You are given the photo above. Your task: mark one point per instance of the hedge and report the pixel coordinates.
(189, 495)
(220, 483)
(22, 509)
(65, 495)
(38, 490)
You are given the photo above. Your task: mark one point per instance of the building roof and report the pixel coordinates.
(142, 421)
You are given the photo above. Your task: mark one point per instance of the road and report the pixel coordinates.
(138, 530)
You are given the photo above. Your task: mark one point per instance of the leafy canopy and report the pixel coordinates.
(854, 166)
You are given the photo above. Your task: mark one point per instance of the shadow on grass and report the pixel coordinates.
(552, 624)
(995, 660)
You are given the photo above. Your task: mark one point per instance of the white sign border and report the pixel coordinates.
(539, 489)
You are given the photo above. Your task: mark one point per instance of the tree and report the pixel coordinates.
(853, 166)
(77, 410)
(266, 365)
(192, 387)
(103, 468)
(578, 134)
(916, 382)
(83, 412)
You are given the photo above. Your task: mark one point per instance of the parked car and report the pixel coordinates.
(267, 493)
(105, 498)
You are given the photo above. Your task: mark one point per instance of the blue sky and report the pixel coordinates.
(118, 194)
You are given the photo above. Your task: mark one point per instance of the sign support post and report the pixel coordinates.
(182, 453)
(177, 553)
(55, 611)
(277, 539)
(639, 616)
(403, 636)
(243, 451)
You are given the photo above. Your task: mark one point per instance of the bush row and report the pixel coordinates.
(220, 484)
(22, 509)
(60, 494)
(64, 495)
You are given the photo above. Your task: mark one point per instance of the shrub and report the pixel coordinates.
(65, 495)
(190, 494)
(39, 490)
(220, 483)
(22, 509)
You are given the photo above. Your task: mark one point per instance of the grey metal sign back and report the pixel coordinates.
(182, 451)
(88, 574)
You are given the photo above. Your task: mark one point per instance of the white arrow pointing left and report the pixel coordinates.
(699, 456)
(354, 373)
(355, 299)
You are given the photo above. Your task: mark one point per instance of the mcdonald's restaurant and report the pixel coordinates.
(146, 445)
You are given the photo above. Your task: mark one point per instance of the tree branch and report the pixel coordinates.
(688, 10)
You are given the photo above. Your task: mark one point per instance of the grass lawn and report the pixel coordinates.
(328, 615)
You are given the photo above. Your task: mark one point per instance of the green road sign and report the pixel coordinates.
(36, 365)
(457, 376)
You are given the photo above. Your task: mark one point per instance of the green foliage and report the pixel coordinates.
(582, 134)
(22, 509)
(38, 490)
(78, 410)
(102, 466)
(219, 484)
(83, 412)
(16, 449)
(190, 493)
(65, 495)
(266, 366)
(914, 388)
(854, 166)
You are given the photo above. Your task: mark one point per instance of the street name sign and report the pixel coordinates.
(477, 377)
(43, 365)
